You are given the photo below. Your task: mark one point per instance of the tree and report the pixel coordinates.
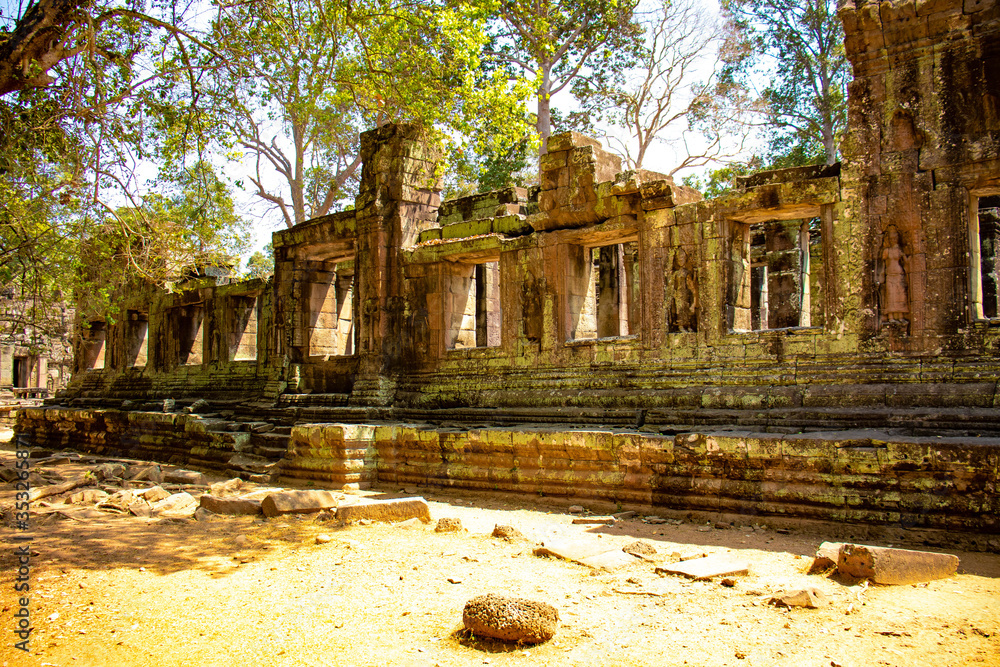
(557, 41)
(261, 263)
(805, 100)
(674, 94)
(291, 84)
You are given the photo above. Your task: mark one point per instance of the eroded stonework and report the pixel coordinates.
(803, 305)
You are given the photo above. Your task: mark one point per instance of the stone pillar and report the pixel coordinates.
(398, 198)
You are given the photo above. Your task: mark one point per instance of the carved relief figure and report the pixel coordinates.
(894, 293)
(684, 306)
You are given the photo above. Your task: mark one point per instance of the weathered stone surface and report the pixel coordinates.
(894, 566)
(118, 501)
(510, 619)
(509, 533)
(297, 502)
(141, 473)
(231, 487)
(640, 549)
(448, 524)
(811, 598)
(390, 511)
(183, 477)
(231, 506)
(176, 506)
(153, 494)
(109, 471)
(87, 496)
(707, 568)
(826, 557)
(608, 560)
(593, 521)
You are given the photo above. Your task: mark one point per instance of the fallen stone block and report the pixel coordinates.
(177, 506)
(509, 533)
(183, 477)
(884, 565)
(594, 520)
(297, 502)
(118, 501)
(86, 496)
(230, 506)
(510, 619)
(109, 471)
(144, 473)
(706, 568)
(230, 487)
(448, 524)
(826, 557)
(153, 494)
(591, 553)
(390, 511)
(810, 598)
(140, 508)
(640, 549)
(608, 560)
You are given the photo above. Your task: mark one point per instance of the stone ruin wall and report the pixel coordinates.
(861, 295)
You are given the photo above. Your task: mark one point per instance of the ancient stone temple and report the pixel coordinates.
(820, 342)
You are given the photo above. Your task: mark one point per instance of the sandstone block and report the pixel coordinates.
(640, 549)
(810, 598)
(297, 502)
(510, 619)
(826, 557)
(178, 505)
(448, 524)
(183, 477)
(706, 568)
(230, 506)
(153, 494)
(390, 511)
(509, 533)
(894, 566)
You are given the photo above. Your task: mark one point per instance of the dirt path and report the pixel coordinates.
(123, 591)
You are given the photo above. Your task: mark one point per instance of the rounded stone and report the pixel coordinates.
(510, 619)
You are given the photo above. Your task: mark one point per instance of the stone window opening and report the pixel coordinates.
(94, 340)
(137, 338)
(188, 322)
(603, 292)
(332, 330)
(472, 306)
(244, 313)
(984, 274)
(775, 275)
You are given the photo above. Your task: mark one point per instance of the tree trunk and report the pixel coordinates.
(33, 48)
(544, 121)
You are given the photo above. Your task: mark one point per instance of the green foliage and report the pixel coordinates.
(555, 42)
(261, 263)
(289, 86)
(806, 95)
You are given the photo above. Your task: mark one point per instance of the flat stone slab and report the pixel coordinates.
(609, 560)
(230, 506)
(389, 511)
(574, 550)
(706, 568)
(297, 502)
(586, 552)
(593, 520)
(883, 565)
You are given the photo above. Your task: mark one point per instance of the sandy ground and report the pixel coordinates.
(122, 591)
